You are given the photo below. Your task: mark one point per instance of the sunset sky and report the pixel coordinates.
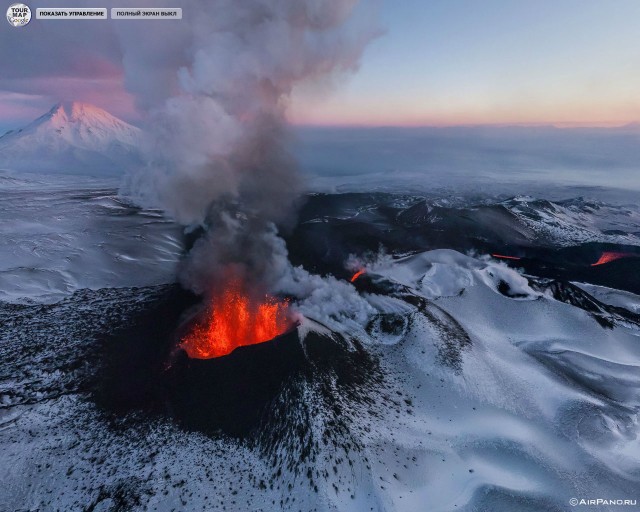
(444, 62)
(495, 61)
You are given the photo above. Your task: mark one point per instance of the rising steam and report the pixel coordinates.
(220, 142)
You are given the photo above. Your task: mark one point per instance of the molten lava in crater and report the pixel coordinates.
(234, 319)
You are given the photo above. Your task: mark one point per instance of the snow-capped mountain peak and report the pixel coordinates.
(80, 124)
(72, 137)
(83, 113)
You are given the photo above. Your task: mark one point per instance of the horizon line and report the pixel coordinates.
(617, 124)
(552, 124)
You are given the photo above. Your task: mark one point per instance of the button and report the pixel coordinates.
(134, 13)
(71, 13)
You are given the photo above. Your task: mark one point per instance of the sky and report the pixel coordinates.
(438, 62)
(468, 62)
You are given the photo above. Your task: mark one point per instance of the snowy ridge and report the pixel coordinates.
(577, 220)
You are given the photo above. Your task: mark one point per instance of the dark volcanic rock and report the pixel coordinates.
(333, 227)
(264, 393)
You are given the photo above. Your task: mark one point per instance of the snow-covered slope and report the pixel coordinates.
(72, 138)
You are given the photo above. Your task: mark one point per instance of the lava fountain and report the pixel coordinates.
(234, 319)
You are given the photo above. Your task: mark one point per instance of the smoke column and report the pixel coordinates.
(217, 107)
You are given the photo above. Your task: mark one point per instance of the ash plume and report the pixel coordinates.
(219, 136)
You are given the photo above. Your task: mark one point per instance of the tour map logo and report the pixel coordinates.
(18, 15)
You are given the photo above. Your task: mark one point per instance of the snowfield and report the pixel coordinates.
(60, 234)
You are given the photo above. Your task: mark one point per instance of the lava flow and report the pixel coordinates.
(608, 257)
(357, 275)
(503, 257)
(235, 320)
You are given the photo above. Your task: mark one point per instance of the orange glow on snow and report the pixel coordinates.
(234, 320)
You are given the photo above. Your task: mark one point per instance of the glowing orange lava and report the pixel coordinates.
(357, 275)
(608, 257)
(234, 320)
(502, 256)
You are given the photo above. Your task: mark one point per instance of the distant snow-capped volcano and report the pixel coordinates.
(72, 137)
